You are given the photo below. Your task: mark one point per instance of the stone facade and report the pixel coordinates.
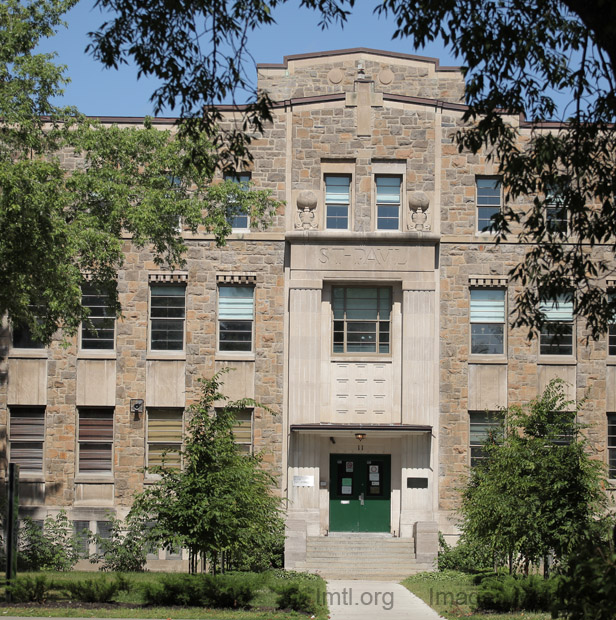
(358, 115)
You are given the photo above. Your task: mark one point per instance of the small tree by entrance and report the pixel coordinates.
(221, 504)
(538, 491)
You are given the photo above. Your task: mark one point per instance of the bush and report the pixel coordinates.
(296, 596)
(505, 593)
(29, 589)
(97, 590)
(125, 549)
(183, 590)
(466, 557)
(52, 547)
(227, 591)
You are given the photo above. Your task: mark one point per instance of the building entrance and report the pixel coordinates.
(360, 493)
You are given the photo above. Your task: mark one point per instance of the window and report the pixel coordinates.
(361, 319)
(555, 212)
(388, 202)
(165, 428)
(101, 333)
(26, 437)
(488, 201)
(81, 530)
(103, 529)
(611, 330)
(167, 313)
(337, 201)
(557, 332)
(95, 440)
(242, 430)
(236, 218)
(235, 317)
(484, 426)
(487, 321)
(611, 445)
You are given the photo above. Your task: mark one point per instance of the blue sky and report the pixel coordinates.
(107, 92)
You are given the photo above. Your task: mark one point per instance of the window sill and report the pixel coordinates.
(23, 477)
(487, 359)
(611, 361)
(97, 355)
(557, 360)
(166, 355)
(349, 357)
(234, 356)
(28, 354)
(94, 478)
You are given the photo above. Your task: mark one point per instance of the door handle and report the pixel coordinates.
(361, 499)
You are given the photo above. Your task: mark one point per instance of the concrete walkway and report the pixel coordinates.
(356, 600)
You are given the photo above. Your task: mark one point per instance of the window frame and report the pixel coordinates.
(611, 329)
(552, 306)
(555, 223)
(377, 204)
(38, 438)
(503, 323)
(377, 331)
(348, 203)
(85, 329)
(152, 319)
(495, 420)
(242, 179)
(611, 445)
(479, 198)
(241, 444)
(90, 413)
(153, 442)
(219, 320)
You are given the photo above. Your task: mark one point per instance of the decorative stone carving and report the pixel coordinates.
(386, 76)
(418, 204)
(306, 206)
(335, 76)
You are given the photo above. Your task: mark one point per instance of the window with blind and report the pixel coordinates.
(26, 438)
(611, 445)
(362, 319)
(95, 440)
(487, 318)
(337, 201)
(485, 426)
(611, 330)
(556, 336)
(237, 219)
(99, 332)
(235, 317)
(167, 315)
(242, 430)
(557, 221)
(165, 431)
(489, 195)
(388, 198)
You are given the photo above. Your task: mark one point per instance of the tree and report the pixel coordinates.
(516, 54)
(220, 502)
(59, 226)
(539, 492)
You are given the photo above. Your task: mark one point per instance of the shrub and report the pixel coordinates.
(186, 590)
(505, 593)
(97, 590)
(225, 591)
(29, 589)
(296, 596)
(125, 549)
(52, 547)
(465, 556)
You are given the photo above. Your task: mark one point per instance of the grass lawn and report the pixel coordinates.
(131, 604)
(453, 595)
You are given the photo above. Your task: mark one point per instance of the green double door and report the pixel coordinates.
(360, 493)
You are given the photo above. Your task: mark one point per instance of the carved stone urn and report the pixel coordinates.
(418, 205)
(306, 206)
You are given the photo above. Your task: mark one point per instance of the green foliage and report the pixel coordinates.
(30, 589)
(183, 590)
(587, 585)
(138, 181)
(535, 495)
(506, 593)
(98, 589)
(52, 547)
(296, 596)
(125, 549)
(465, 556)
(221, 500)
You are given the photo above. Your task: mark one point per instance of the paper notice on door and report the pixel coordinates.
(349, 466)
(374, 469)
(374, 477)
(347, 490)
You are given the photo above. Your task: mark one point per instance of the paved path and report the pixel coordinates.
(356, 600)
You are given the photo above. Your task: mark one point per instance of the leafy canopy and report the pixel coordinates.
(221, 500)
(73, 190)
(517, 54)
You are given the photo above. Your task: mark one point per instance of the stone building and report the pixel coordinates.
(371, 317)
